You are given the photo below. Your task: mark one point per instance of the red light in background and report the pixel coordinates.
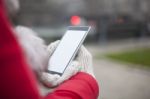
(75, 20)
(120, 20)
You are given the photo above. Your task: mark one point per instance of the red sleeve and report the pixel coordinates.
(80, 86)
(17, 81)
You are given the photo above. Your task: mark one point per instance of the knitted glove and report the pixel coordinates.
(33, 47)
(52, 80)
(82, 63)
(85, 61)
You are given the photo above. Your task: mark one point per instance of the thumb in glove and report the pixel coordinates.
(53, 80)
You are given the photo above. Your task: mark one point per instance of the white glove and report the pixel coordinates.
(52, 80)
(34, 48)
(85, 61)
(82, 63)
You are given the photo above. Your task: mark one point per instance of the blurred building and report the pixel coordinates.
(104, 15)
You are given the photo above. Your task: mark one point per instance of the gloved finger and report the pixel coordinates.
(49, 79)
(51, 48)
(85, 60)
(84, 57)
(83, 52)
(71, 70)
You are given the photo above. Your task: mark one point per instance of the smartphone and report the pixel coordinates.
(67, 49)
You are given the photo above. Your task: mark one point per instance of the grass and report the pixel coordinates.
(139, 56)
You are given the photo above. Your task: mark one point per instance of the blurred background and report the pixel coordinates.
(119, 39)
(110, 19)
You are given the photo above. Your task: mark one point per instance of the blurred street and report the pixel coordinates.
(118, 45)
(118, 80)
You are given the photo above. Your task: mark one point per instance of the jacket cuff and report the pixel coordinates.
(82, 84)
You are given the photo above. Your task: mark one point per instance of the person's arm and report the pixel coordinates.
(16, 78)
(17, 81)
(80, 86)
(51, 48)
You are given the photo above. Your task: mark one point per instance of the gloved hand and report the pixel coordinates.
(83, 63)
(34, 48)
(53, 80)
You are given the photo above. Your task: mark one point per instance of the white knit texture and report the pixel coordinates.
(82, 63)
(85, 61)
(34, 48)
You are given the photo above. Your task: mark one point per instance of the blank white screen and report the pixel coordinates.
(65, 50)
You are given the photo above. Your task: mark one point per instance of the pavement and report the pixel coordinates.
(119, 80)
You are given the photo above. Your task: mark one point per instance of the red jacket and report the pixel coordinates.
(17, 80)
